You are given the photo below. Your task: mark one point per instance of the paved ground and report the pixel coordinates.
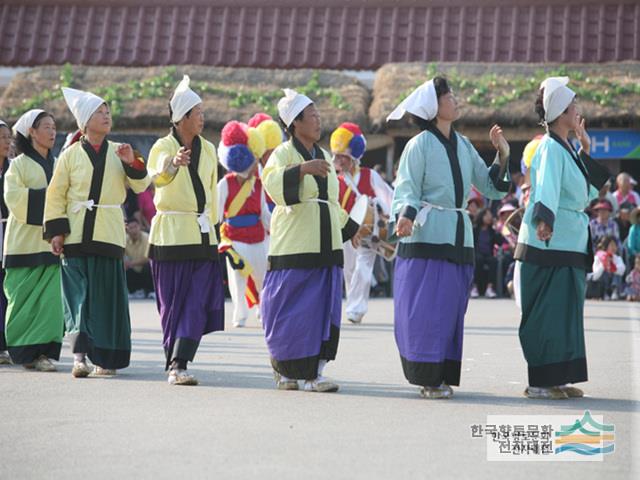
(236, 425)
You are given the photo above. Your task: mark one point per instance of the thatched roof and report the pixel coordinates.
(139, 97)
(609, 95)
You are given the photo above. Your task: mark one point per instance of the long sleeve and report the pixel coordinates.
(493, 182)
(282, 181)
(407, 196)
(56, 221)
(633, 242)
(223, 193)
(598, 269)
(265, 212)
(137, 175)
(160, 166)
(26, 204)
(546, 196)
(384, 193)
(216, 206)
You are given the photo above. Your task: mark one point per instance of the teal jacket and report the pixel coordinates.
(563, 182)
(440, 172)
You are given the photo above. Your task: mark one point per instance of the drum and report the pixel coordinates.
(363, 214)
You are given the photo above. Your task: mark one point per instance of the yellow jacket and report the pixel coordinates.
(25, 185)
(184, 225)
(308, 225)
(83, 177)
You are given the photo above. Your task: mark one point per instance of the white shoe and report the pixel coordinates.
(240, 323)
(355, 317)
(80, 369)
(320, 384)
(433, 393)
(43, 364)
(490, 293)
(181, 377)
(474, 292)
(5, 359)
(615, 296)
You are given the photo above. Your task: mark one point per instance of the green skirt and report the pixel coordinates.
(34, 321)
(96, 309)
(552, 324)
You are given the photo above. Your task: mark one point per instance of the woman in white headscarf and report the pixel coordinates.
(302, 295)
(554, 249)
(434, 266)
(183, 245)
(34, 324)
(84, 223)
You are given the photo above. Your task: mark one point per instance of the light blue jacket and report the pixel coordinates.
(440, 172)
(562, 184)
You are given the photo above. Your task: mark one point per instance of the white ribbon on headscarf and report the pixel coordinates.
(556, 98)
(290, 106)
(183, 100)
(422, 102)
(25, 122)
(82, 104)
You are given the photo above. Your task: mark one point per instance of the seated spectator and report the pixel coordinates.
(147, 209)
(486, 239)
(633, 239)
(605, 193)
(136, 262)
(625, 192)
(608, 269)
(623, 220)
(602, 225)
(633, 282)
(507, 249)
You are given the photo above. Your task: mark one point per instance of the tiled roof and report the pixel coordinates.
(327, 34)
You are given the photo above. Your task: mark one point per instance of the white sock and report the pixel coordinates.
(79, 357)
(284, 379)
(321, 365)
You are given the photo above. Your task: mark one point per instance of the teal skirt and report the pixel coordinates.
(96, 309)
(552, 324)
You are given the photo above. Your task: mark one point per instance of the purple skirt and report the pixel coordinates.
(301, 311)
(430, 301)
(190, 299)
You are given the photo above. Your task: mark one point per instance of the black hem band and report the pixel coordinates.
(409, 212)
(28, 353)
(440, 251)
(432, 374)
(560, 373)
(306, 260)
(349, 230)
(167, 253)
(30, 260)
(551, 258)
(544, 214)
(57, 226)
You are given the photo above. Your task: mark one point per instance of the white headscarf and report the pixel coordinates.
(25, 122)
(183, 100)
(422, 102)
(557, 97)
(82, 104)
(290, 106)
